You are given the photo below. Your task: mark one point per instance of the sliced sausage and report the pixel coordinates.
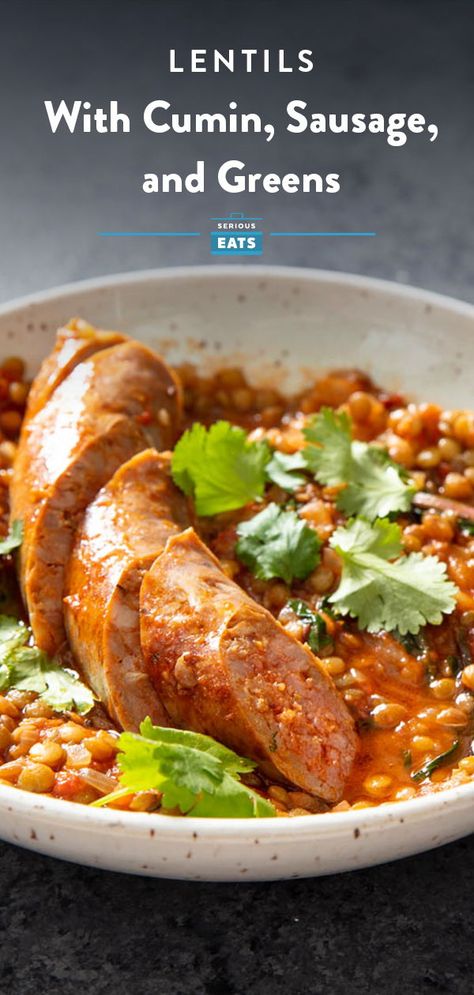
(223, 666)
(123, 531)
(75, 342)
(113, 404)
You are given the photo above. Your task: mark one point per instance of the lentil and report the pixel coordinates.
(49, 753)
(467, 677)
(36, 777)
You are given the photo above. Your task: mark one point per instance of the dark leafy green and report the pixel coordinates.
(414, 643)
(318, 637)
(407, 758)
(463, 645)
(466, 525)
(432, 765)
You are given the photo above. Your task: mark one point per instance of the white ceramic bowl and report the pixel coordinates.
(280, 323)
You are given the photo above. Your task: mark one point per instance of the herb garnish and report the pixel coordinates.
(407, 758)
(454, 664)
(282, 468)
(464, 647)
(318, 636)
(27, 668)
(402, 595)
(13, 539)
(466, 525)
(277, 543)
(192, 772)
(373, 485)
(431, 765)
(219, 467)
(415, 645)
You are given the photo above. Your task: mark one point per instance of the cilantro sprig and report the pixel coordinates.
(382, 588)
(277, 543)
(222, 470)
(193, 773)
(373, 485)
(219, 468)
(27, 668)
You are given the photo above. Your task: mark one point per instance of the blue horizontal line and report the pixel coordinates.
(321, 234)
(148, 234)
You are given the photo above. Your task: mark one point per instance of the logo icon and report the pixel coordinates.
(236, 235)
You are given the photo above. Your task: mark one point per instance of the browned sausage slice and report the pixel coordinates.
(113, 404)
(223, 666)
(123, 531)
(75, 342)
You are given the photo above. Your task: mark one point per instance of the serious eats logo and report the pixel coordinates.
(236, 235)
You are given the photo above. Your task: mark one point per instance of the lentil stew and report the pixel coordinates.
(410, 695)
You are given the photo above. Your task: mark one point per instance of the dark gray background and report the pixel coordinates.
(57, 191)
(404, 927)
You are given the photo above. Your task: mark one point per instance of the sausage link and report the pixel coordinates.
(123, 531)
(113, 404)
(222, 665)
(75, 342)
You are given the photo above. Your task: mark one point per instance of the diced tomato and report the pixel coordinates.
(67, 784)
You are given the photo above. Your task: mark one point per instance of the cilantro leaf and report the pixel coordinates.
(13, 539)
(13, 633)
(375, 486)
(330, 460)
(230, 760)
(233, 800)
(64, 691)
(192, 772)
(403, 595)
(383, 538)
(281, 470)
(27, 668)
(24, 669)
(219, 467)
(277, 543)
(318, 636)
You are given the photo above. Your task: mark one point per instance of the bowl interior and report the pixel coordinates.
(282, 325)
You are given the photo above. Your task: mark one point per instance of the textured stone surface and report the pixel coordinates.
(404, 927)
(400, 928)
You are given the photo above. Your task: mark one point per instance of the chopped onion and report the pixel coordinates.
(77, 756)
(102, 783)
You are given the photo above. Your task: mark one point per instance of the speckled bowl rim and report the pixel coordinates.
(240, 270)
(68, 814)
